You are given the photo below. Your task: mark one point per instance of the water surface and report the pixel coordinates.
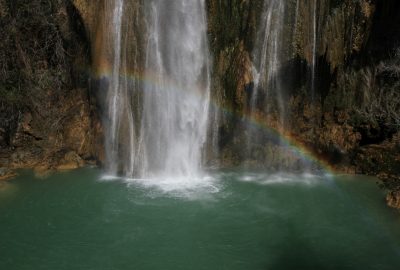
(233, 220)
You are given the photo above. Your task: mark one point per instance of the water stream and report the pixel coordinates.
(176, 100)
(118, 116)
(174, 94)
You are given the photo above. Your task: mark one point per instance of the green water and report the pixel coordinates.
(236, 221)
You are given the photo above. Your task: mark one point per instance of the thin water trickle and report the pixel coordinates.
(119, 114)
(267, 61)
(314, 48)
(268, 51)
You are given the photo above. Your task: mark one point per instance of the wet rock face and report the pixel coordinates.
(342, 29)
(232, 27)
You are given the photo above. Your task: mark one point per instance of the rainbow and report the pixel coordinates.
(287, 140)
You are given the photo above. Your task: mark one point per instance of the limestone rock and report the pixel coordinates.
(6, 174)
(70, 161)
(393, 199)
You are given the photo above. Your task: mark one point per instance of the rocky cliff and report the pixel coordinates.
(352, 119)
(47, 120)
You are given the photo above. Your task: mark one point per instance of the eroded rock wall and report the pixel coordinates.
(357, 107)
(352, 119)
(47, 117)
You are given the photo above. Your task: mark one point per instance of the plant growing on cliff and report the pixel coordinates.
(380, 93)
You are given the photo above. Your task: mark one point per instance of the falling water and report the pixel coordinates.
(267, 61)
(163, 134)
(268, 51)
(118, 117)
(314, 48)
(176, 100)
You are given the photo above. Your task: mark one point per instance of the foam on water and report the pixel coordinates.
(201, 187)
(181, 187)
(283, 178)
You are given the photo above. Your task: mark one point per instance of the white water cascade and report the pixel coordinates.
(163, 134)
(176, 100)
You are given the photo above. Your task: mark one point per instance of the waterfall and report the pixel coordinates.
(163, 134)
(176, 100)
(267, 60)
(118, 116)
